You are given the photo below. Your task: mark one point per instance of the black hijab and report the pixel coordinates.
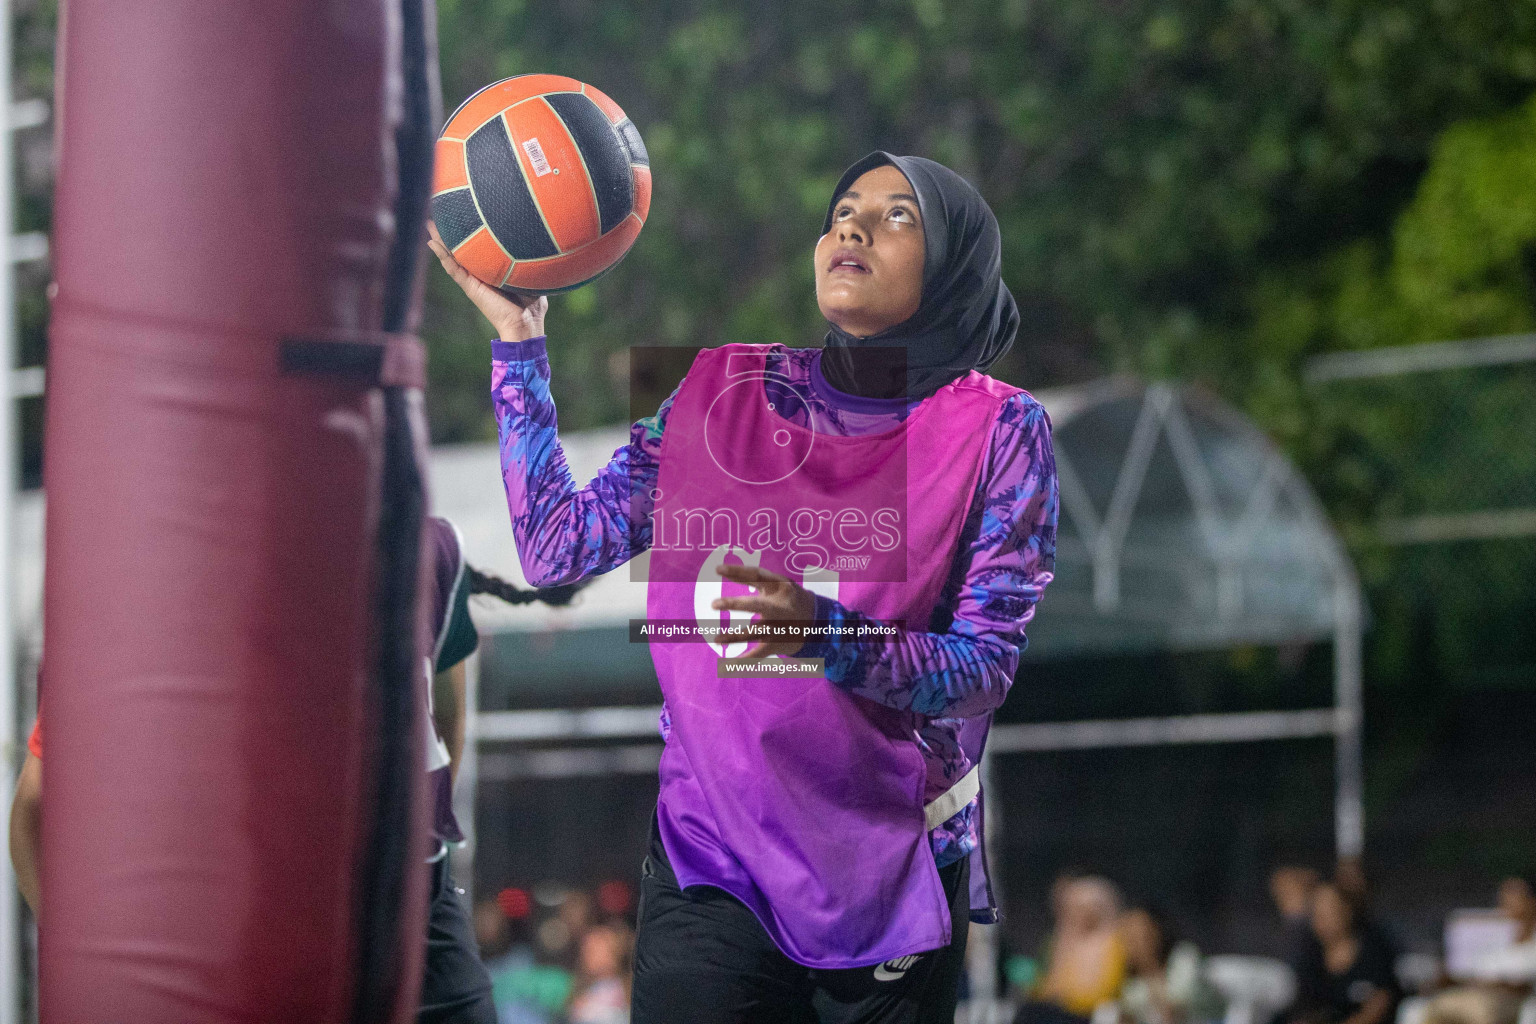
(967, 317)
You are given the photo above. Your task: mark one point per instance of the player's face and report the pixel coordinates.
(869, 265)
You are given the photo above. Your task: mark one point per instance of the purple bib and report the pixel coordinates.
(801, 800)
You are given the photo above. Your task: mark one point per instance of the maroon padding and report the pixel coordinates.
(225, 183)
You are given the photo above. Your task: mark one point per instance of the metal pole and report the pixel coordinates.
(468, 782)
(1349, 805)
(987, 961)
(1441, 355)
(10, 937)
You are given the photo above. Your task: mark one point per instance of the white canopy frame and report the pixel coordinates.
(1227, 535)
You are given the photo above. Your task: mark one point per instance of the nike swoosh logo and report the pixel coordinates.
(894, 970)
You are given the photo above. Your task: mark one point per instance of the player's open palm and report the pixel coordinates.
(514, 320)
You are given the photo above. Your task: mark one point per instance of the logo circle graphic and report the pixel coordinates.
(749, 460)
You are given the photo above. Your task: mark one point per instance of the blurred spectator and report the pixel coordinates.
(602, 978)
(1349, 876)
(577, 911)
(526, 987)
(1085, 964)
(1352, 981)
(1020, 972)
(616, 898)
(493, 932)
(558, 935)
(1498, 980)
(1291, 887)
(1167, 983)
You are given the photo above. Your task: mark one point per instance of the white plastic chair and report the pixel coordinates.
(1417, 972)
(1412, 1010)
(1255, 987)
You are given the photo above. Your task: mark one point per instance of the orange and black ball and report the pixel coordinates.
(541, 184)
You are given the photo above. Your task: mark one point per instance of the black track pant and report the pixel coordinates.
(455, 988)
(701, 957)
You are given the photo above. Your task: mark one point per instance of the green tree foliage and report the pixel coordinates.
(1459, 261)
(1148, 160)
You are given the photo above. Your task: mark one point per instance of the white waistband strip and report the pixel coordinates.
(954, 799)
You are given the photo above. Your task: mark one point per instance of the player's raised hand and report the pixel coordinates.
(516, 316)
(775, 599)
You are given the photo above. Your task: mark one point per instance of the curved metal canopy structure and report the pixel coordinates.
(1182, 528)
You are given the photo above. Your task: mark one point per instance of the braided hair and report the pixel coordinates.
(495, 586)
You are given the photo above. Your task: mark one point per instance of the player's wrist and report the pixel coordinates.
(819, 643)
(519, 330)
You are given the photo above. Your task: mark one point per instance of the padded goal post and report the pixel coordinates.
(234, 824)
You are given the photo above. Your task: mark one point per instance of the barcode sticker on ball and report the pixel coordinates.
(536, 157)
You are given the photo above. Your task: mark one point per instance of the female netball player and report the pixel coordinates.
(814, 838)
(455, 986)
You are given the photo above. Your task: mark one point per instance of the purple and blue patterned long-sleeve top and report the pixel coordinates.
(1007, 552)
